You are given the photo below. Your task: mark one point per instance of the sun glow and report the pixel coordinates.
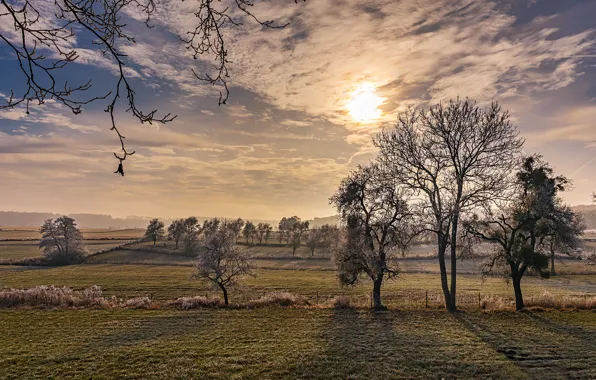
(363, 104)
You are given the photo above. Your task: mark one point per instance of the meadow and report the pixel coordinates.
(296, 343)
(416, 338)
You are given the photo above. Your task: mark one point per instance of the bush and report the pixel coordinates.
(493, 303)
(187, 303)
(138, 303)
(341, 302)
(59, 258)
(52, 296)
(279, 299)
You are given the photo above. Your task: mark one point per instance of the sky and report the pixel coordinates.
(304, 103)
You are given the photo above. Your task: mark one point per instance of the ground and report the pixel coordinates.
(410, 340)
(296, 343)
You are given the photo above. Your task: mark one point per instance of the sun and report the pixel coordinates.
(363, 105)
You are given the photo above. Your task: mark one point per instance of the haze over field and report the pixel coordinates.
(304, 102)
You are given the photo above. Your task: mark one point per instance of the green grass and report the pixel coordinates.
(25, 249)
(169, 282)
(295, 343)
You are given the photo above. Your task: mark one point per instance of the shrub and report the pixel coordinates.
(187, 303)
(341, 302)
(493, 303)
(51, 296)
(138, 303)
(279, 299)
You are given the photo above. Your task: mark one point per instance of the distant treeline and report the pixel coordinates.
(36, 219)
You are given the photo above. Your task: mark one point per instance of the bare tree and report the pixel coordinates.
(262, 230)
(313, 239)
(521, 225)
(210, 226)
(249, 231)
(190, 235)
(379, 223)
(44, 46)
(175, 231)
(155, 230)
(236, 227)
(330, 237)
(455, 156)
(62, 242)
(285, 227)
(221, 262)
(268, 232)
(296, 232)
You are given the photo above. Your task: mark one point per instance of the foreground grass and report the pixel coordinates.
(163, 282)
(295, 343)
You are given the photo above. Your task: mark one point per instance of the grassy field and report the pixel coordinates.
(295, 343)
(409, 341)
(163, 282)
(25, 249)
(89, 233)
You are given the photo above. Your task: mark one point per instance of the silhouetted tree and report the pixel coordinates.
(379, 222)
(62, 242)
(44, 43)
(455, 157)
(296, 233)
(313, 239)
(262, 230)
(190, 235)
(521, 225)
(285, 227)
(249, 231)
(268, 232)
(176, 230)
(155, 230)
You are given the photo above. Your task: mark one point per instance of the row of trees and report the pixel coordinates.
(292, 229)
(457, 172)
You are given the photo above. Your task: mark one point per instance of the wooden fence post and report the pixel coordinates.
(371, 300)
(317, 297)
(479, 303)
(426, 300)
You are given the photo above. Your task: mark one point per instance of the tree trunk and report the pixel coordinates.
(454, 259)
(176, 244)
(519, 299)
(552, 260)
(312, 252)
(441, 250)
(378, 304)
(154, 241)
(225, 293)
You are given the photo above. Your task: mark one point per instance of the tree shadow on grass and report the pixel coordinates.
(540, 347)
(395, 344)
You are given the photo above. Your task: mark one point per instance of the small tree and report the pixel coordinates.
(268, 233)
(236, 227)
(62, 242)
(296, 233)
(221, 262)
(176, 230)
(262, 230)
(313, 239)
(155, 230)
(521, 226)
(190, 235)
(249, 231)
(330, 237)
(379, 223)
(286, 226)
